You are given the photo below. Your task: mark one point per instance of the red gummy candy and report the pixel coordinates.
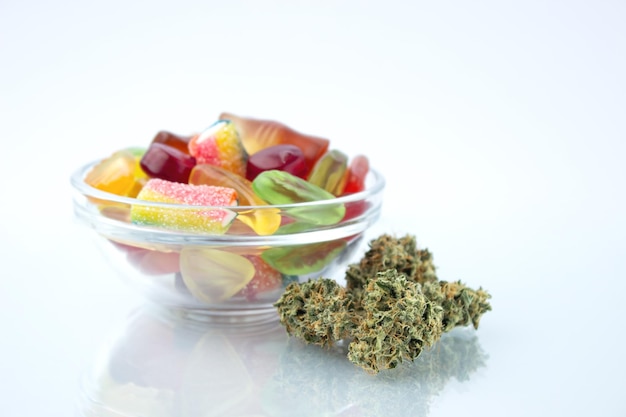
(357, 171)
(287, 158)
(167, 163)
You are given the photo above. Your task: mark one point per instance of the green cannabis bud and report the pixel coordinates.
(393, 306)
(398, 322)
(317, 312)
(388, 252)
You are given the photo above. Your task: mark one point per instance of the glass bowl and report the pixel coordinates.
(233, 277)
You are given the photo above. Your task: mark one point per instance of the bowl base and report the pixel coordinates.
(224, 316)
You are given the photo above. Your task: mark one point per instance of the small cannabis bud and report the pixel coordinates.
(316, 311)
(387, 252)
(393, 306)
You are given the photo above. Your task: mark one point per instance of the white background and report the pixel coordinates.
(499, 126)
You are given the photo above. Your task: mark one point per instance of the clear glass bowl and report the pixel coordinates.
(207, 276)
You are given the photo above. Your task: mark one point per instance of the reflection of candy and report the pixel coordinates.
(214, 220)
(213, 275)
(279, 187)
(118, 174)
(262, 221)
(220, 145)
(303, 259)
(265, 279)
(167, 163)
(260, 134)
(329, 172)
(287, 158)
(357, 171)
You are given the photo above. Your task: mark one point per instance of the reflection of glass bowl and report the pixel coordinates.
(159, 365)
(235, 276)
(162, 365)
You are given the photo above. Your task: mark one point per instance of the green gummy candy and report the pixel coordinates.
(280, 187)
(303, 259)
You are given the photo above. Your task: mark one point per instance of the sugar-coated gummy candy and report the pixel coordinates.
(286, 157)
(357, 172)
(303, 259)
(207, 220)
(280, 187)
(257, 134)
(264, 221)
(119, 174)
(329, 172)
(220, 145)
(167, 163)
(265, 280)
(214, 275)
(175, 141)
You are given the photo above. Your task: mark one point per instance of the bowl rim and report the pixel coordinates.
(172, 239)
(78, 176)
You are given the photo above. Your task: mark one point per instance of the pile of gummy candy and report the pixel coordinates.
(235, 162)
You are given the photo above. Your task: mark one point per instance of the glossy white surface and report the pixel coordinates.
(500, 130)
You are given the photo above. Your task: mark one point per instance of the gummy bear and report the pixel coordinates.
(259, 134)
(262, 221)
(167, 163)
(286, 157)
(329, 172)
(220, 145)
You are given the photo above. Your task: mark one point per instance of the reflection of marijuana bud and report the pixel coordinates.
(392, 308)
(314, 382)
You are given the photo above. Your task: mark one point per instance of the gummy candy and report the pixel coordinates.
(153, 262)
(220, 145)
(303, 259)
(262, 221)
(329, 172)
(287, 158)
(357, 171)
(280, 187)
(167, 163)
(259, 134)
(213, 220)
(214, 275)
(119, 173)
(175, 141)
(265, 279)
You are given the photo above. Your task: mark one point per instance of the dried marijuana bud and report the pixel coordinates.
(387, 252)
(393, 306)
(462, 306)
(398, 322)
(316, 311)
